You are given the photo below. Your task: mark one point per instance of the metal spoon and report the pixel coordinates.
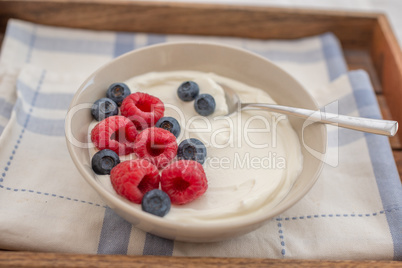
(376, 126)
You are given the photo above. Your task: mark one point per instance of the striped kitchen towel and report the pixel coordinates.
(354, 211)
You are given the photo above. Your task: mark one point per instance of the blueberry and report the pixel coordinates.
(103, 108)
(192, 149)
(188, 91)
(104, 160)
(156, 202)
(170, 124)
(118, 92)
(204, 104)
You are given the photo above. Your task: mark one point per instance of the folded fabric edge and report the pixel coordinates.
(383, 162)
(333, 54)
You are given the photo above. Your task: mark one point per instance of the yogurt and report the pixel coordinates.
(253, 157)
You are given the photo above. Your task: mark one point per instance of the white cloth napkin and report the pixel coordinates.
(353, 211)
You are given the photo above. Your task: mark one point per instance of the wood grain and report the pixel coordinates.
(398, 160)
(361, 59)
(386, 114)
(354, 29)
(30, 259)
(386, 54)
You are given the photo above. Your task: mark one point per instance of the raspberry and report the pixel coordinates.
(116, 133)
(133, 178)
(142, 109)
(156, 145)
(184, 181)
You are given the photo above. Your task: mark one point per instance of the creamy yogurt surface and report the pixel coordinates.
(253, 157)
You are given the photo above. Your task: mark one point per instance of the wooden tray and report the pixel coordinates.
(366, 38)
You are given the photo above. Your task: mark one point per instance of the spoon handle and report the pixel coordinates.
(376, 126)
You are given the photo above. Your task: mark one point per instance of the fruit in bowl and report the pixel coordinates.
(254, 164)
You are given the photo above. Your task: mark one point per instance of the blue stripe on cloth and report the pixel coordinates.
(57, 101)
(333, 55)
(155, 245)
(18, 33)
(153, 39)
(314, 55)
(5, 108)
(347, 105)
(1, 129)
(73, 45)
(115, 234)
(58, 43)
(292, 56)
(382, 160)
(344, 137)
(39, 125)
(124, 43)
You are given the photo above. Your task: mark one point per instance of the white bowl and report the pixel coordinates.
(226, 61)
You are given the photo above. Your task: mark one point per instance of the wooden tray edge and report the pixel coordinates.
(31, 259)
(384, 42)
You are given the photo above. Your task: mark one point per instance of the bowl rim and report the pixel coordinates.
(215, 225)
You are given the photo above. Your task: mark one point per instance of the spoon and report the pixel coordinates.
(376, 126)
